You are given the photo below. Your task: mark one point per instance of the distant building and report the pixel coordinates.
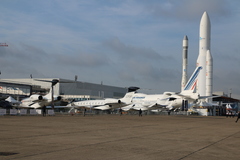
(69, 89)
(15, 89)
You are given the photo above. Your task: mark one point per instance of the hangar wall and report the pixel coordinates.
(12, 88)
(76, 89)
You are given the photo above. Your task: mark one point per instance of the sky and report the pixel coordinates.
(118, 42)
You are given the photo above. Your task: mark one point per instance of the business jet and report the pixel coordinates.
(106, 104)
(167, 100)
(38, 101)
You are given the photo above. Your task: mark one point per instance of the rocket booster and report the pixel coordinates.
(204, 46)
(209, 73)
(184, 63)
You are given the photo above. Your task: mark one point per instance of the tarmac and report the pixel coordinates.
(108, 137)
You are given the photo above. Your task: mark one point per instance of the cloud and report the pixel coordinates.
(138, 64)
(187, 9)
(132, 52)
(83, 60)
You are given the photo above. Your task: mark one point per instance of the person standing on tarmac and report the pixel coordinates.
(140, 113)
(238, 116)
(120, 111)
(84, 112)
(44, 111)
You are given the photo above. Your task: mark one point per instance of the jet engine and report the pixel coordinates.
(59, 98)
(36, 97)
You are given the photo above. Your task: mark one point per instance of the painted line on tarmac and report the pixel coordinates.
(208, 145)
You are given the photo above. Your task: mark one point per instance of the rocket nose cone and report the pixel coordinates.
(208, 54)
(205, 16)
(185, 38)
(185, 41)
(205, 21)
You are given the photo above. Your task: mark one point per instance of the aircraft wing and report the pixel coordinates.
(128, 107)
(104, 107)
(38, 101)
(137, 107)
(204, 97)
(192, 96)
(140, 106)
(195, 96)
(87, 106)
(115, 103)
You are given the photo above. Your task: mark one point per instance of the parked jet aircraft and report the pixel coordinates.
(38, 101)
(147, 101)
(105, 104)
(168, 100)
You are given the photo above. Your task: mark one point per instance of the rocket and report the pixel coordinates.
(204, 84)
(184, 62)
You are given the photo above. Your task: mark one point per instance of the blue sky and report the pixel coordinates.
(118, 42)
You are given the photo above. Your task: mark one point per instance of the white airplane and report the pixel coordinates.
(147, 101)
(167, 100)
(105, 104)
(38, 101)
(13, 101)
(176, 100)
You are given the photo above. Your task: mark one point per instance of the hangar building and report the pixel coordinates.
(10, 88)
(68, 89)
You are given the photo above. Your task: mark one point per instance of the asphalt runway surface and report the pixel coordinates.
(125, 137)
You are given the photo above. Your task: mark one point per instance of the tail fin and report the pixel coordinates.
(127, 98)
(49, 95)
(191, 84)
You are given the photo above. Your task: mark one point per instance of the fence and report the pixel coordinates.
(15, 112)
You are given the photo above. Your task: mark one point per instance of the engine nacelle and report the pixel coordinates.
(36, 97)
(119, 102)
(59, 98)
(40, 98)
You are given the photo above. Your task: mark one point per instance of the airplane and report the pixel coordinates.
(38, 101)
(54, 82)
(147, 101)
(105, 104)
(13, 101)
(167, 100)
(177, 99)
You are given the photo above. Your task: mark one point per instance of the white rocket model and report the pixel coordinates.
(184, 63)
(204, 84)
